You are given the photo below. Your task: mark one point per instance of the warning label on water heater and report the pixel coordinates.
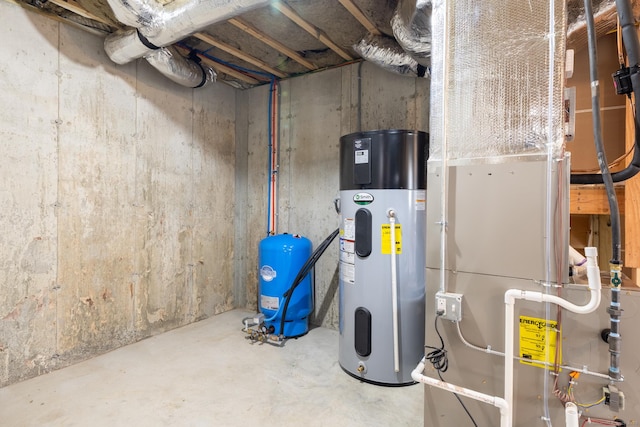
(385, 239)
(538, 341)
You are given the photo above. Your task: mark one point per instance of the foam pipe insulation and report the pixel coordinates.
(411, 24)
(388, 54)
(184, 71)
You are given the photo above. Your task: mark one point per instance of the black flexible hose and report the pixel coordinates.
(614, 310)
(632, 46)
(597, 134)
(304, 270)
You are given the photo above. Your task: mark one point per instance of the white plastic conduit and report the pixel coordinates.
(496, 401)
(510, 297)
(394, 289)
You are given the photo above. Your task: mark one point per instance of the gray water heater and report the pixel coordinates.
(382, 254)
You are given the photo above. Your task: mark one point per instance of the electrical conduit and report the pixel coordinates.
(394, 289)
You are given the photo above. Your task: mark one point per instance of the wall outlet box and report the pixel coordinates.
(449, 306)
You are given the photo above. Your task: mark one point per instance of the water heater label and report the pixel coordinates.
(385, 239)
(349, 229)
(538, 341)
(363, 198)
(361, 156)
(348, 257)
(270, 303)
(347, 273)
(347, 245)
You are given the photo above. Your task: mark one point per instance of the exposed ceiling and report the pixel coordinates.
(289, 37)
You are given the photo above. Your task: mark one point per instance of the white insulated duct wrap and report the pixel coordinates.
(411, 24)
(387, 53)
(497, 76)
(179, 69)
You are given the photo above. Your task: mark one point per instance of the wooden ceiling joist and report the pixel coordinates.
(251, 30)
(221, 68)
(74, 7)
(360, 16)
(311, 29)
(239, 54)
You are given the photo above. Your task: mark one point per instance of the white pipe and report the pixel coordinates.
(394, 289)
(571, 416)
(575, 257)
(496, 401)
(510, 296)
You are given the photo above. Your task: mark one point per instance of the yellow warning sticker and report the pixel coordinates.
(385, 239)
(538, 341)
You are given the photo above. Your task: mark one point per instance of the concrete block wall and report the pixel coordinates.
(116, 203)
(315, 111)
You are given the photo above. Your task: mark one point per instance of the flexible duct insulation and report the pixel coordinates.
(387, 53)
(179, 69)
(160, 25)
(411, 24)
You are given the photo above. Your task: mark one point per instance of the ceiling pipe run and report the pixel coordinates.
(156, 26)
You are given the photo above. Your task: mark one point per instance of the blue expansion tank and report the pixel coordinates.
(280, 259)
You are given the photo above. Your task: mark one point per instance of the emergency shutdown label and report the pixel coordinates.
(385, 239)
(538, 341)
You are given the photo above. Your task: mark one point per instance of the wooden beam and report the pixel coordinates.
(239, 54)
(74, 7)
(360, 16)
(311, 29)
(592, 199)
(249, 29)
(221, 68)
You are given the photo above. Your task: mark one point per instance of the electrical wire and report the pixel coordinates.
(602, 421)
(304, 270)
(438, 358)
(591, 405)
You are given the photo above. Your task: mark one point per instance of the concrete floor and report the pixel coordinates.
(208, 374)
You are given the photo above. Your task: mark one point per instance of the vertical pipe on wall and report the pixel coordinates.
(394, 289)
(549, 217)
(444, 189)
(273, 155)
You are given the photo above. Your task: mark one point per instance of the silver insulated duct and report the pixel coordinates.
(184, 71)
(385, 52)
(161, 25)
(410, 53)
(411, 24)
(156, 26)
